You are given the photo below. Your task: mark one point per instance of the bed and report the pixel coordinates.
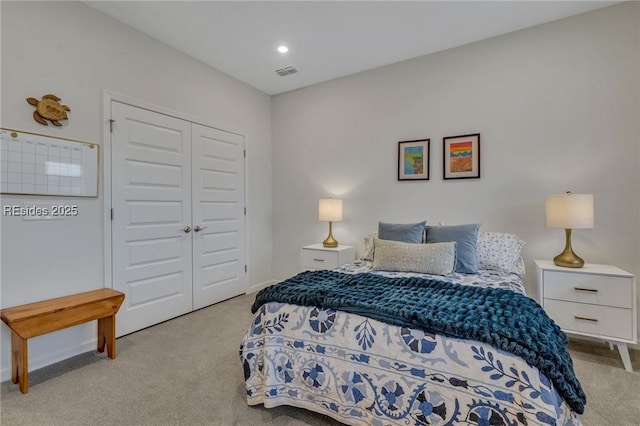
(361, 366)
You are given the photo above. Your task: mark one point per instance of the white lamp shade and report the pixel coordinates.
(330, 210)
(570, 211)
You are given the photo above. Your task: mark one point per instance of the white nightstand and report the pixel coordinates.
(317, 256)
(594, 301)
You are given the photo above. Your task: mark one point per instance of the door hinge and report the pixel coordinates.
(245, 268)
(244, 153)
(111, 121)
(245, 211)
(111, 214)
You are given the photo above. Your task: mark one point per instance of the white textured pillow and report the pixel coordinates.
(436, 258)
(500, 251)
(367, 251)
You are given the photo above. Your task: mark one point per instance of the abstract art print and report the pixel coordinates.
(413, 160)
(461, 156)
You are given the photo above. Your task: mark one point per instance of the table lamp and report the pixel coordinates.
(330, 210)
(569, 211)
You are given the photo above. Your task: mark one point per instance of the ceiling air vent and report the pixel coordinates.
(282, 72)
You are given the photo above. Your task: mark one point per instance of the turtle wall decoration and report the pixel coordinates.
(49, 108)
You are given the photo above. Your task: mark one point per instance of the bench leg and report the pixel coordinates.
(19, 364)
(107, 335)
(101, 341)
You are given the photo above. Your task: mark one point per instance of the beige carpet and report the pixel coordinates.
(187, 372)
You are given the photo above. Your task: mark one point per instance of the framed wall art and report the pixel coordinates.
(413, 160)
(461, 156)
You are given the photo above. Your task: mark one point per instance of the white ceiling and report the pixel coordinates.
(326, 39)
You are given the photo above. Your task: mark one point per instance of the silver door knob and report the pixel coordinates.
(199, 228)
(187, 229)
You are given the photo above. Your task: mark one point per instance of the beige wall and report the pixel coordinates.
(76, 52)
(557, 107)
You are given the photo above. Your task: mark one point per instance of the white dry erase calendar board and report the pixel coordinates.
(35, 164)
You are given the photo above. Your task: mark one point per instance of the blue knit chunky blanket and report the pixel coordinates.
(505, 319)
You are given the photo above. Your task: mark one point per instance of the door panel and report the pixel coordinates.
(151, 174)
(218, 207)
(151, 199)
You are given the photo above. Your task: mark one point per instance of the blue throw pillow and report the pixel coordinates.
(466, 237)
(404, 232)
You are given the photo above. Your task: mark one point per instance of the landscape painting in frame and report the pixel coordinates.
(461, 155)
(413, 160)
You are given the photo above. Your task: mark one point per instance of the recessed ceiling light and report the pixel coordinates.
(283, 49)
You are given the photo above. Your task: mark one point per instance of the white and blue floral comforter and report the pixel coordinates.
(364, 372)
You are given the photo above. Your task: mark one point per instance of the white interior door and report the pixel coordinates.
(178, 223)
(218, 215)
(151, 201)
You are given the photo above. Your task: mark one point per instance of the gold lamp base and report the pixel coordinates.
(568, 259)
(330, 241)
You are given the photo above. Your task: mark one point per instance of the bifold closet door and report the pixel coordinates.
(151, 201)
(218, 215)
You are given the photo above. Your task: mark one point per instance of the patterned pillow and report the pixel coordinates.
(367, 251)
(436, 259)
(520, 269)
(500, 251)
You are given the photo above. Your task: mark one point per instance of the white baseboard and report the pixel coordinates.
(260, 286)
(42, 360)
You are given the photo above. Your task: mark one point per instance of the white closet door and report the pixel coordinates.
(151, 200)
(218, 208)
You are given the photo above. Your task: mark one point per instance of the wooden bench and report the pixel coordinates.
(35, 319)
